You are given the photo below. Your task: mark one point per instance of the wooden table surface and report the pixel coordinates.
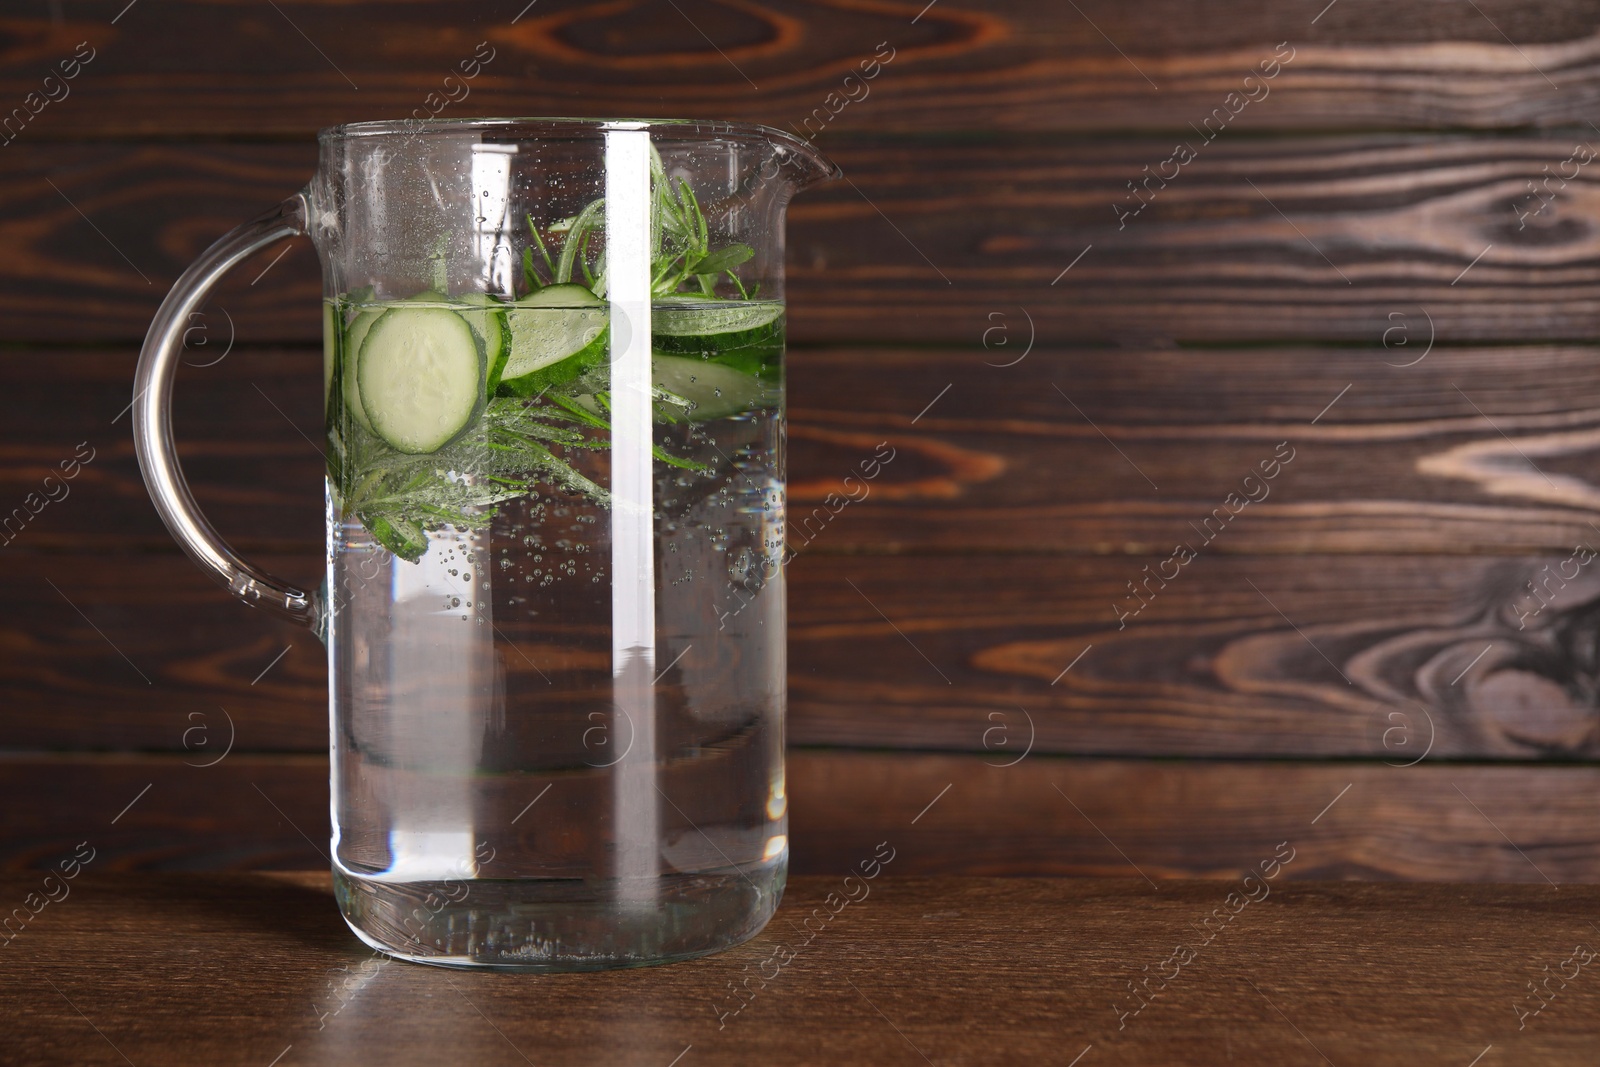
(258, 969)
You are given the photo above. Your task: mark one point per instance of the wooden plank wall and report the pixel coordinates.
(1372, 275)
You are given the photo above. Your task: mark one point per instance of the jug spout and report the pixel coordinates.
(797, 162)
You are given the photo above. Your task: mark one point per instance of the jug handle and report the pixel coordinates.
(152, 417)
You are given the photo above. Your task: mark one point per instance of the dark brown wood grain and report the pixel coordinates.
(1434, 821)
(1382, 658)
(1270, 656)
(1083, 451)
(1131, 450)
(1256, 240)
(237, 969)
(1074, 374)
(943, 814)
(960, 971)
(187, 68)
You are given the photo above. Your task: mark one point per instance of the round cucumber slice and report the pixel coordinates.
(350, 360)
(696, 317)
(421, 375)
(713, 390)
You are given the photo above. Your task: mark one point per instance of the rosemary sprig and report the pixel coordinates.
(679, 233)
(397, 496)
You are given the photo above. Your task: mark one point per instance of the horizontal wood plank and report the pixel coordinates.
(1378, 657)
(1084, 451)
(1384, 658)
(930, 240)
(956, 971)
(943, 814)
(182, 68)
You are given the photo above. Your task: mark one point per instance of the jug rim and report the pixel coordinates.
(554, 125)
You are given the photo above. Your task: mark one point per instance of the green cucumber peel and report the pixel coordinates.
(487, 318)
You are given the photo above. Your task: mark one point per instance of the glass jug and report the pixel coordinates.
(553, 602)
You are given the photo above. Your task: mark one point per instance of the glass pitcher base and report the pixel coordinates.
(559, 924)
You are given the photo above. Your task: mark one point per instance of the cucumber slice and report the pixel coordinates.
(421, 375)
(695, 318)
(758, 351)
(564, 295)
(713, 390)
(350, 360)
(555, 335)
(489, 326)
(330, 349)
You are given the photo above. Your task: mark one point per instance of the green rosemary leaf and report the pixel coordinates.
(543, 251)
(674, 461)
(583, 259)
(586, 219)
(530, 278)
(723, 259)
(580, 413)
